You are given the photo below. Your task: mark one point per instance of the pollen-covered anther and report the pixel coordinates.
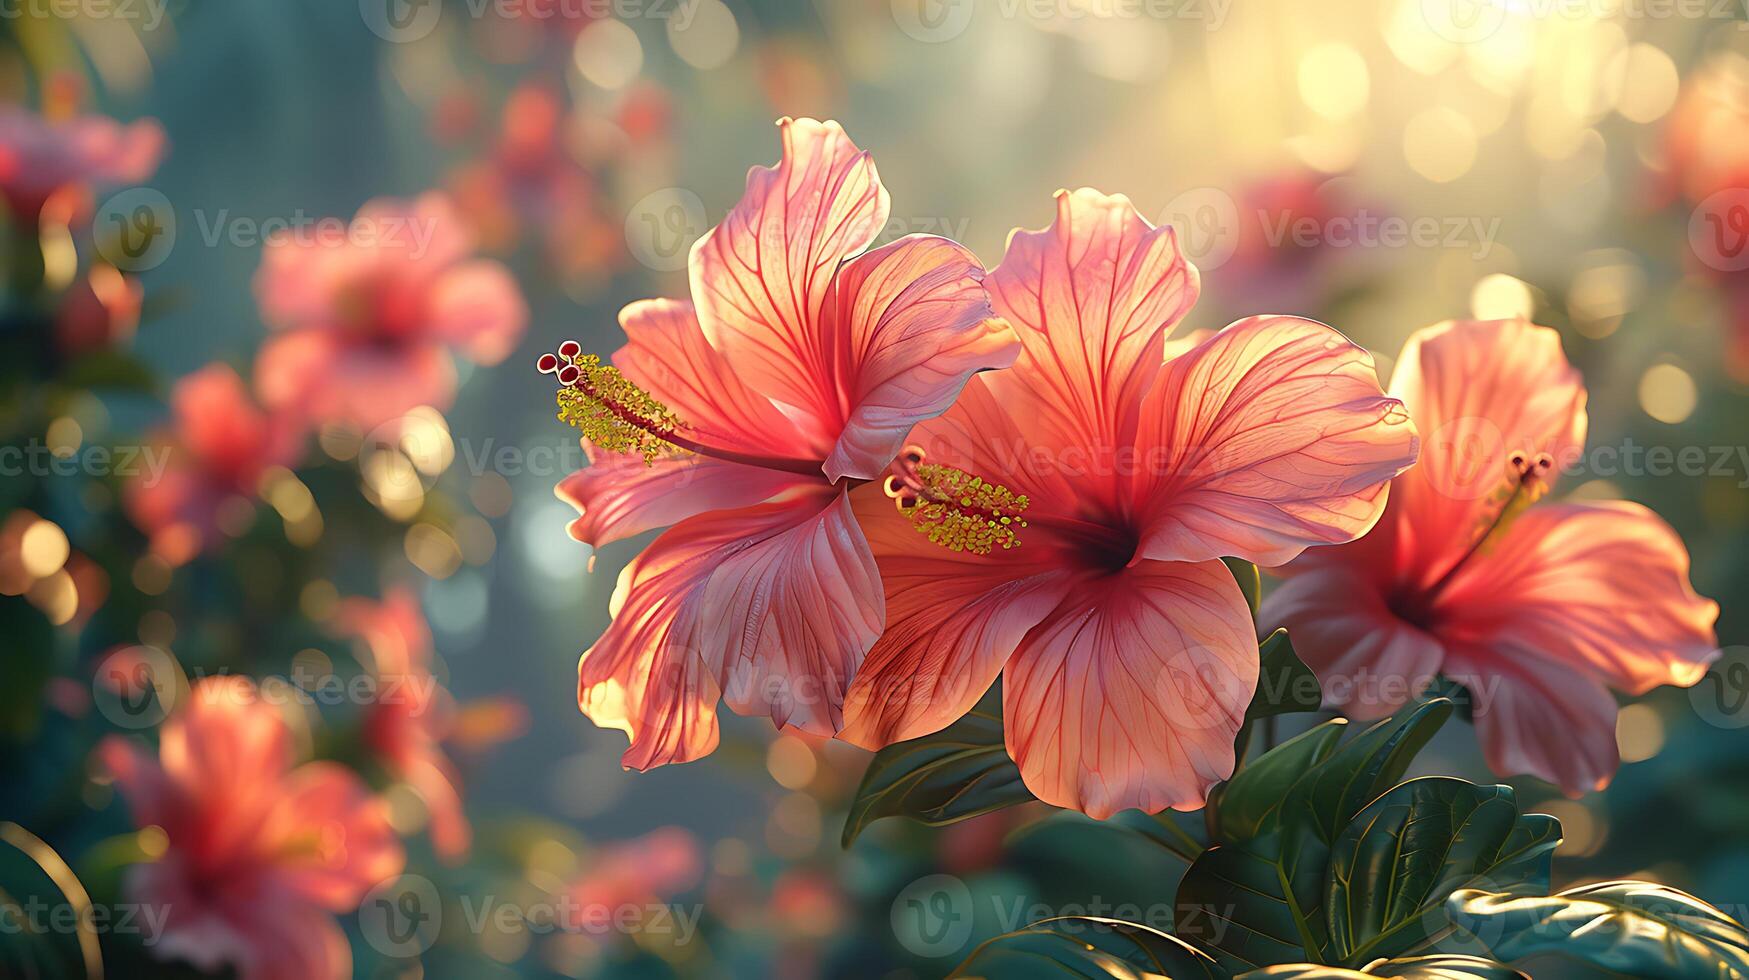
(1527, 481)
(611, 412)
(957, 510)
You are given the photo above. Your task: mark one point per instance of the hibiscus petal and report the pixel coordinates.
(329, 837)
(1478, 392)
(953, 619)
(477, 307)
(1130, 694)
(1092, 299)
(314, 376)
(151, 796)
(761, 278)
(618, 495)
(1599, 587)
(1535, 716)
(434, 779)
(216, 421)
(225, 738)
(907, 325)
(790, 610)
(1267, 438)
(286, 939)
(773, 605)
(667, 355)
(1369, 661)
(644, 676)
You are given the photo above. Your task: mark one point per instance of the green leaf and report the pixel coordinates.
(27, 654)
(1263, 890)
(111, 369)
(1358, 772)
(1244, 803)
(1249, 581)
(1443, 967)
(959, 772)
(1285, 685)
(1408, 850)
(1087, 947)
(1243, 908)
(1639, 928)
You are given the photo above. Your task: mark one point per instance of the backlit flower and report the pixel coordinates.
(624, 879)
(406, 721)
(259, 853)
(206, 469)
(368, 314)
(39, 156)
(1539, 611)
(1126, 649)
(743, 421)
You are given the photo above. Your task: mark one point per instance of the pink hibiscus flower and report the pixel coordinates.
(406, 724)
(367, 318)
(217, 449)
(1126, 649)
(39, 157)
(1538, 611)
(260, 855)
(626, 877)
(743, 421)
(532, 181)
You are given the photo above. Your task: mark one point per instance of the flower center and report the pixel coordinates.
(1526, 482)
(953, 508)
